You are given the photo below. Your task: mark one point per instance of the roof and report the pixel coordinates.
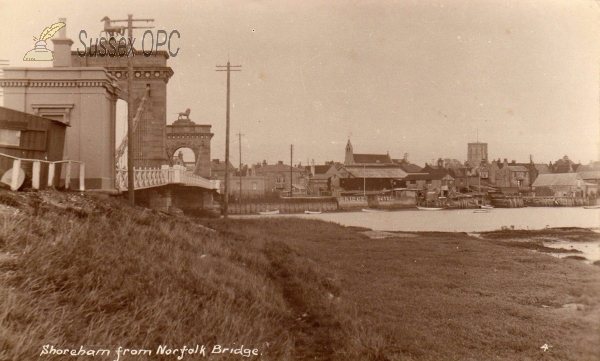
(426, 176)
(542, 168)
(372, 158)
(274, 168)
(592, 174)
(517, 168)
(15, 119)
(434, 169)
(589, 167)
(557, 179)
(319, 169)
(410, 168)
(376, 172)
(218, 165)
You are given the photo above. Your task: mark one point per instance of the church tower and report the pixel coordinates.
(349, 153)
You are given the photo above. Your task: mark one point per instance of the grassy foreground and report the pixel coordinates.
(84, 270)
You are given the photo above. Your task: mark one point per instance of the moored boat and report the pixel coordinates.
(485, 206)
(313, 212)
(481, 211)
(429, 208)
(371, 210)
(268, 212)
(592, 207)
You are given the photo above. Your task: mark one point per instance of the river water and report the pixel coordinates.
(464, 220)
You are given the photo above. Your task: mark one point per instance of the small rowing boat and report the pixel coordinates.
(370, 210)
(266, 213)
(485, 206)
(481, 211)
(592, 207)
(313, 212)
(429, 208)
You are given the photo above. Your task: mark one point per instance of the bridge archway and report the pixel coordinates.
(184, 156)
(184, 133)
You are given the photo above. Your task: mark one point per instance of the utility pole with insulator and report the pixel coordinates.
(240, 141)
(291, 170)
(228, 70)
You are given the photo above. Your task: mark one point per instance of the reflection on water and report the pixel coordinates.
(589, 250)
(465, 220)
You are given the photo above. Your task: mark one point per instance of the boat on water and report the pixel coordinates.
(592, 207)
(265, 213)
(485, 206)
(371, 210)
(481, 211)
(429, 208)
(313, 212)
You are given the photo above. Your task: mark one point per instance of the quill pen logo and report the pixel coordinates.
(40, 52)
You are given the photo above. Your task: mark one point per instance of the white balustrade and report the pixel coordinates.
(154, 177)
(36, 172)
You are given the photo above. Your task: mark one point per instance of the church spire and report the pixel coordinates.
(349, 153)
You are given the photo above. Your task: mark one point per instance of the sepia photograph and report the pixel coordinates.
(345, 180)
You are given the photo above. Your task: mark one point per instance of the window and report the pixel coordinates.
(253, 186)
(10, 137)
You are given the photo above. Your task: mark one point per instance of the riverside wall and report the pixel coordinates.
(558, 201)
(292, 205)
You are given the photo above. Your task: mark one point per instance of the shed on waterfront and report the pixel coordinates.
(560, 185)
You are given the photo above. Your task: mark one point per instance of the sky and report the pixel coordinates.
(422, 77)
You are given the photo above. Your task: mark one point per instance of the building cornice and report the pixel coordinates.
(142, 72)
(108, 84)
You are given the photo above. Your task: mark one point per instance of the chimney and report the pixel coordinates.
(280, 162)
(264, 162)
(312, 167)
(62, 47)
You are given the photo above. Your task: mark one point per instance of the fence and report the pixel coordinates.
(154, 177)
(36, 172)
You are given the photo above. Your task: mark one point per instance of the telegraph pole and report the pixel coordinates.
(291, 170)
(130, 109)
(229, 70)
(240, 141)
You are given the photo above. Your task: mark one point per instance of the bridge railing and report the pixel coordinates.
(154, 177)
(36, 172)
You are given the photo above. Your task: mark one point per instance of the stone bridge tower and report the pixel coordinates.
(184, 133)
(150, 73)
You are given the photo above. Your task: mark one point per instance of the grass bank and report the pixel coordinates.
(449, 296)
(88, 270)
(93, 271)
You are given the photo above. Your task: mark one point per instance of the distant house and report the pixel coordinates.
(592, 182)
(217, 169)
(591, 175)
(252, 187)
(439, 183)
(322, 179)
(406, 166)
(277, 177)
(560, 185)
(467, 179)
(564, 165)
(439, 168)
(509, 177)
